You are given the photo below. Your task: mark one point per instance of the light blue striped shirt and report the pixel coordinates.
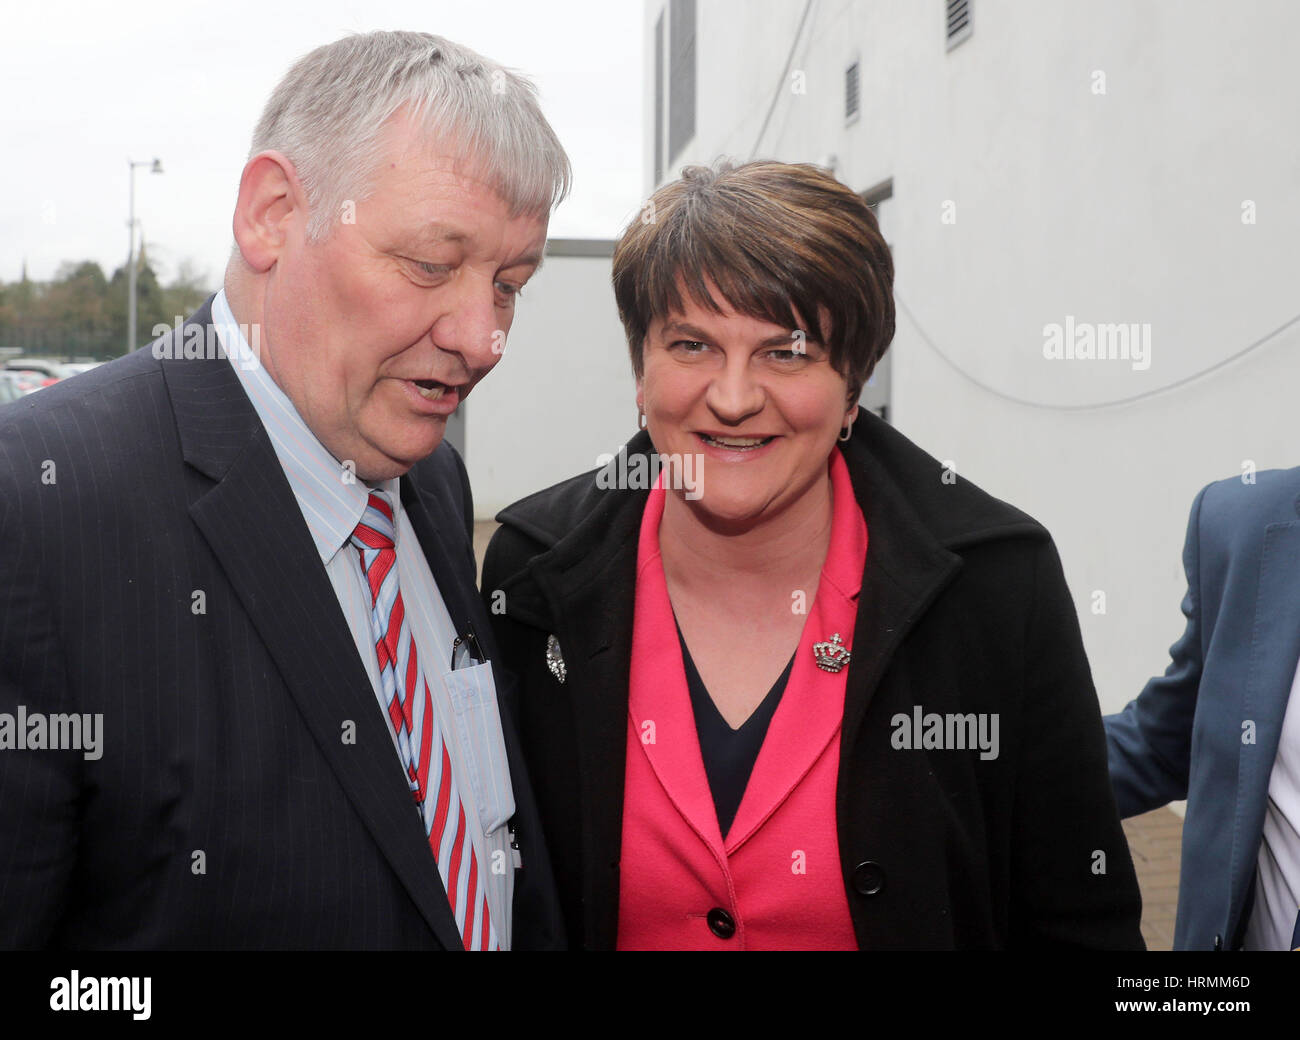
(333, 501)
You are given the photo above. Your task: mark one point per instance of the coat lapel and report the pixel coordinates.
(594, 628)
(906, 570)
(252, 522)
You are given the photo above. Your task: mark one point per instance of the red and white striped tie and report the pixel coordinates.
(419, 737)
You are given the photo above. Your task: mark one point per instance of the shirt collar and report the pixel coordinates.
(332, 498)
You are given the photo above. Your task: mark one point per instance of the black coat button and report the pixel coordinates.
(868, 878)
(721, 923)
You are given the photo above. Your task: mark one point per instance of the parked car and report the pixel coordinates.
(8, 388)
(47, 371)
(28, 381)
(53, 370)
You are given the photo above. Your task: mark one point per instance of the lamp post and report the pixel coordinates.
(155, 166)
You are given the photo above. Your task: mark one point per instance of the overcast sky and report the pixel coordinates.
(84, 86)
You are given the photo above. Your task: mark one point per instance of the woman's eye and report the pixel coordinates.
(433, 270)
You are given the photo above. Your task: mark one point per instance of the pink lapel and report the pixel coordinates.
(812, 707)
(658, 701)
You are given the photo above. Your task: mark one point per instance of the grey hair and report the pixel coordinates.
(328, 115)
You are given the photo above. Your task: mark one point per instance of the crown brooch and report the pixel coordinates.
(831, 657)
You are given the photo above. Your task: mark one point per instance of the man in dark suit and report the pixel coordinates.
(246, 686)
(1221, 727)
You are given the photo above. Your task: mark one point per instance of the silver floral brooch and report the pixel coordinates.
(554, 660)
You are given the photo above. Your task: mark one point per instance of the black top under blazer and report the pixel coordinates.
(964, 608)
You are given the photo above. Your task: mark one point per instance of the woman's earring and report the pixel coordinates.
(847, 432)
(640, 419)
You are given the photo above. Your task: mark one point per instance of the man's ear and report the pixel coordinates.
(270, 199)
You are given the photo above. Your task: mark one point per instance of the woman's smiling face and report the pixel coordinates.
(760, 405)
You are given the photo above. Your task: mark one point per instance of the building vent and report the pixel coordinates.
(958, 21)
(851, 93)
(681, 75)
(659, 99)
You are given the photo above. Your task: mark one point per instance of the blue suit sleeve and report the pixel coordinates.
(1149, 743)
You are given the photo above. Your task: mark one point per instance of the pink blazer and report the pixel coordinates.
(776, 881)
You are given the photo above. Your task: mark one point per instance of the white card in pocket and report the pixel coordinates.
(477, 723)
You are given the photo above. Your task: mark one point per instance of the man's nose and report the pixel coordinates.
(734, 394)
(470, 324)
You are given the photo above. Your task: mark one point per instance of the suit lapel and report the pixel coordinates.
(448, 550)
(252, 522)
(430, 521)
(1274, 652)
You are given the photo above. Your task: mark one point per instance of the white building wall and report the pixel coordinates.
(562, 392)
(1123, 206)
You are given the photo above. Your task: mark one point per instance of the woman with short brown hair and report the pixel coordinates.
(802, 693)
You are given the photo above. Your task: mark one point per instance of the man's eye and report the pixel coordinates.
(787, 356)
(690, 346)
(512, 291)
(433, 270)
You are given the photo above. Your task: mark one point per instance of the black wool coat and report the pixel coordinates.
(963, 609)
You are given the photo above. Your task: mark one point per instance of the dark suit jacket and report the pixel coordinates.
(227, 811)
(1208, 729)
(964, 608)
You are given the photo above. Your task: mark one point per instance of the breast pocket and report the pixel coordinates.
(477, 724)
